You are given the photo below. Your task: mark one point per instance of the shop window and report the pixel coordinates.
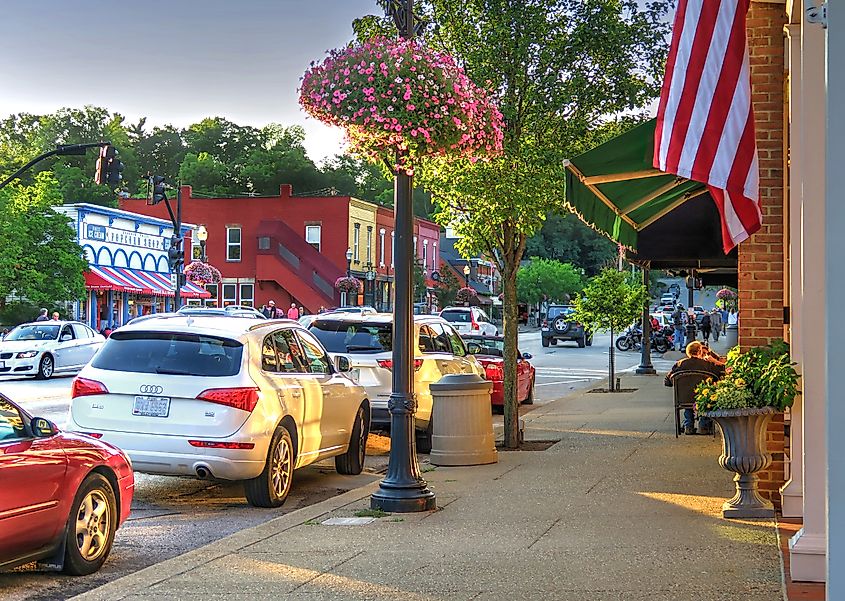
(264, 243)
(356, 243)
(369, 245)
(312, 236)
(392, 246)
(425, 254)
(233, 243)
(230, 292)
(212, 300)
(381, 234)
(248, 294)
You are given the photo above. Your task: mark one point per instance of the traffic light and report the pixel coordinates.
(102, 163)
(159, 190)
(109, 167)
(175, 254)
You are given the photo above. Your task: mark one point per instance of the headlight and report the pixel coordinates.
(26, 354)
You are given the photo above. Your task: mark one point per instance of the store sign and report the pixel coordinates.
(102, 233)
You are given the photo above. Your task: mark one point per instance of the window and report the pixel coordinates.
(291, 359)
(356, 243)
(392, 246)
(67, 334)
(230, 292)
(312, 236)
(426, 343)
(381, 234)
(212, 300)
(264, 243)
(233, 243)
(434, 258)
(370, 244)
(353, 337)
(317, 360)
(81, 331)
(442, 343)
(458, 348)
(425, 254)
(11, 422)
(196, 248)
(269, 361)
(248, 295)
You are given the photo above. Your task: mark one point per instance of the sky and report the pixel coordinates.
(173, 61)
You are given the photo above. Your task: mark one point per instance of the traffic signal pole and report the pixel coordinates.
(63, 150)
(177, 294)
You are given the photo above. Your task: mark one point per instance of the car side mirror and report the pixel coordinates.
(473, 348)
(65, 338)
(43, 428)
(342, 364)
(527, 356)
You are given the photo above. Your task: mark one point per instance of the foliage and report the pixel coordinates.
(466, 295)
(610, 301)
(202, 273)
(348, 284)
(399, 100)
(420, 286)
(545, 279)
(565, 238)
(16, 313)
(41, 260)
(760, 377)
(447, 288)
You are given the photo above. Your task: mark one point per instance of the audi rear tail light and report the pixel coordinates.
(215, 444)
(244, 399)
(93, 434)
(388, 364)
(86, 387)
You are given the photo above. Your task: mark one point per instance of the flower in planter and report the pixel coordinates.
(202, 273)
(726, 294)
(399, 100)
(348, 284)
(466, 295)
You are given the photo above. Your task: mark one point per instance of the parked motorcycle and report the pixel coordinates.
(631, 339)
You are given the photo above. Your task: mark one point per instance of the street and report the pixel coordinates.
(171, 516)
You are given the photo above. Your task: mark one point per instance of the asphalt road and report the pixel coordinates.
(171, 516)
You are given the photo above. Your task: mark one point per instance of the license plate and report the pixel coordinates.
(544, 329)
(151, 406)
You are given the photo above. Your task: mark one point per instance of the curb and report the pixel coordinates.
(142, 580)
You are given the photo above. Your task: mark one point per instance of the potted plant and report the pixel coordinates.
(466, 296)
(202, 273)
(758, 384)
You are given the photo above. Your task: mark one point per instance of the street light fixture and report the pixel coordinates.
(202, 236)
(348, 262)
(466, 274)
(403, 488)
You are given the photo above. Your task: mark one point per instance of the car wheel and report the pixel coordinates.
(545, 342)
(582, 341)
(590, 341)
(271, 487)
(529, 400)
(351, 463)
(46, 367)
(424, 439)
(91, 526)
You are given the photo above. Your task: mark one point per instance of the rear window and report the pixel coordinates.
(346, 337)
(456, 316)
(555, 311)
(170, 353)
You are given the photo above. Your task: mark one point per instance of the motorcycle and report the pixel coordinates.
(631, 339)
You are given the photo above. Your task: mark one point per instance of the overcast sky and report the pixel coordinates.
(173, 61)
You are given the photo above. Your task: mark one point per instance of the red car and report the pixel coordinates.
(489, 351)
(62, 495)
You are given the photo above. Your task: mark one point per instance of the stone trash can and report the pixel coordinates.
(462, 421)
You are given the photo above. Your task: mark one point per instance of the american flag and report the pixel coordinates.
(705, 123)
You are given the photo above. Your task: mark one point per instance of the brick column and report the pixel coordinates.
(761, 258)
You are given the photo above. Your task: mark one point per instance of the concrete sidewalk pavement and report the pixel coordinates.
(617, 508)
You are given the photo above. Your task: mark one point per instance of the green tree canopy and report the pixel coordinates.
(612, 300)
(546, 279)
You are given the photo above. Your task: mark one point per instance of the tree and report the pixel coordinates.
(447, 288)
(611, 301)
(561, 69)
(41, 260)
(566, 238)
(547, 279)
(420, 287)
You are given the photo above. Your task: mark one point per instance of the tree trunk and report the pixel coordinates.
(511, 331)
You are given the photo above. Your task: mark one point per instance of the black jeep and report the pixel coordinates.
(557, 326)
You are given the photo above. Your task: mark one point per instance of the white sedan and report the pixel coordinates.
(222, 397)
(44, 348)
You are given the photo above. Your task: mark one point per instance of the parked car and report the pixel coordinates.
(44, 348)
(469, 320)
(364, 310)
(668, 299)
(234, 399)
(227, 311)
(366, 342)
(558, 326)
(490, 352)
(63, 495)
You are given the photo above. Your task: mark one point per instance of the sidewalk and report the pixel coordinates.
(618, 509)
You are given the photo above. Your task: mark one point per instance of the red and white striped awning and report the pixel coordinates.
(137, 281)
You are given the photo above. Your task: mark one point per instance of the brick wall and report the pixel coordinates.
(761, 258)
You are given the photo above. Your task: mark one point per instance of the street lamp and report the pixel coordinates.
(403, 489)
(202, 236)
(466, 274)
(348, 262)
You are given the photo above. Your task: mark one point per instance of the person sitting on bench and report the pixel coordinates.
(699, 359)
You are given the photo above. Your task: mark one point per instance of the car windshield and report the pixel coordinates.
(34, 332)
(173, 353)
(353, 337)
(486, 346)
(456, 316)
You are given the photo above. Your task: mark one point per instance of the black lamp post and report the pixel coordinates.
(202, 236)
(403, 489)
(645, 367)
(466, 275)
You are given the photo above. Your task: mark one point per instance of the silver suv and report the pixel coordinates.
(366, 341)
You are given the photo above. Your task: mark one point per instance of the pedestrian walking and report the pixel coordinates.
(293, 312)
(716, 322)
(302, 311)
(724, 313)
(269, 311)
(706, 324)
(678, 324)
(42, 315)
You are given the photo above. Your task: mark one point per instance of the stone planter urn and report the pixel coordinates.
(744, 453)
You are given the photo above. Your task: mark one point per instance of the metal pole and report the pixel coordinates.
(645, 367)
(177, 294)
(403, 489)
(63, 150)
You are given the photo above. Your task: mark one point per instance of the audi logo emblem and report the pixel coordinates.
(151, 389)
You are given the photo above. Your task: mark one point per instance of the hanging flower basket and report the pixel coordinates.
(726, 294)
(348, 285)
(466, 295)
(202, 273)
(399, 101)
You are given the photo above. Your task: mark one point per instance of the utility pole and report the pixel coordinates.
(176, 252)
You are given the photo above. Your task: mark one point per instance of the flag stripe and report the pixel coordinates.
(667, 80)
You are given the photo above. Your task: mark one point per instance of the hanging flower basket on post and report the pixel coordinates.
(202, 273)
(348, 285)
(728, 297)
(399, 100)
(466, 296)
